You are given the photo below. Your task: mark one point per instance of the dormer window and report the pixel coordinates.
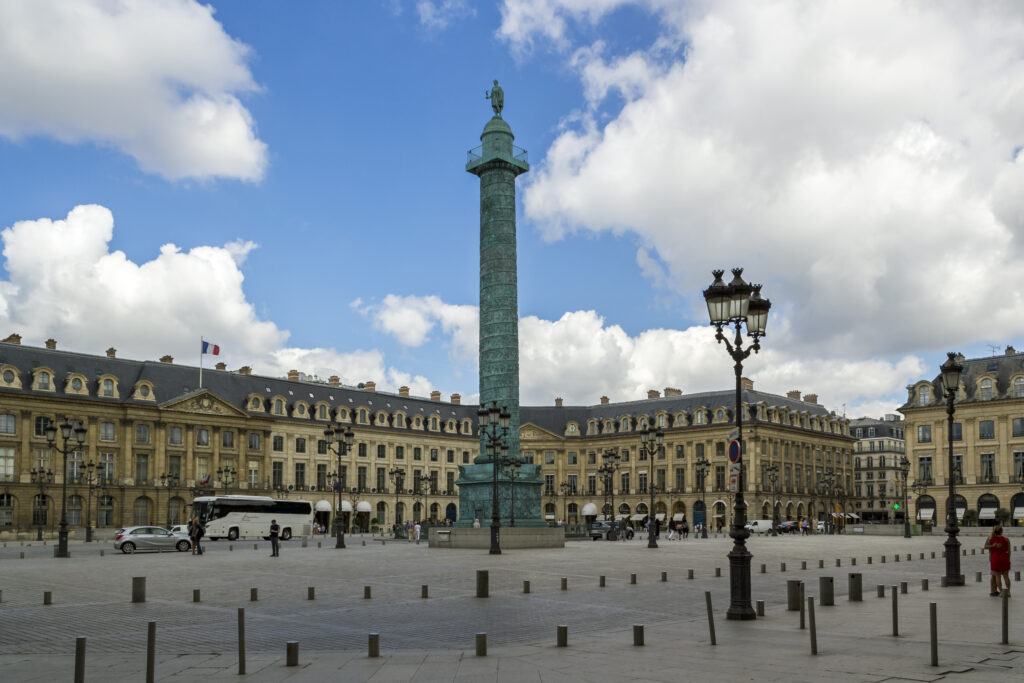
(255, 404)
(321, 413)
(986, 389)
(278, 407)
(108, 387)
(9, 376)
(144, 391)
(924, 395)
(76, 384)
(44, 381)
(698, 417)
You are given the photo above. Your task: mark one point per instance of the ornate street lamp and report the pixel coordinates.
(494, 424)
(773, 477)
(227, 476)
(607, 472)
(566, 487)
(167, 481)
(96, 485)
(73, 431)
(650, 445)
(733, 305)
(951, 371)
(339, 441)
(41, 478)
(702, 466)
(511, 469)
(825, 489)
(903, 467)
(397, 477)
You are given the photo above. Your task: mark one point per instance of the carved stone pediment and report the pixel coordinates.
(531, 431)
(204, 403)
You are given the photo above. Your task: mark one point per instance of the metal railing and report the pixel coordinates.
(477, 153)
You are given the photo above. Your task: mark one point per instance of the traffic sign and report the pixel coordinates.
(734, 451)
(734, 468)
(734, 483)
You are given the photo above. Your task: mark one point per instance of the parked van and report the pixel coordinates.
(759, 526)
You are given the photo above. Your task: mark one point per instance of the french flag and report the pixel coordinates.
(211, 349)
(205, 480)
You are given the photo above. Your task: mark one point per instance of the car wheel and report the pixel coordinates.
(127, 547)
(232, 534)
(286, 534)
(183, 546)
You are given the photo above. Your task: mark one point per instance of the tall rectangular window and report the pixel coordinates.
(75, 467)
(433, 482)
(321, 447)
(300, 445)
(924, 468)
(1018, 467)
(174, 436)
(6, 464)
(106, 470)
(958, 468)
(624, 481)
(202, 437)
(1018, 426)
(174, 467)
(680, 479)
(7, 423)
(254, 441)
(661, 480)
(399, 452)
(382, 451)
(549, 484)
(321, 476)
(107, 432)
(417, 453)
(278, 444)
(449, 485)
(642, 482)
(141, 433)
(719, 477)
(361, 474)
(986, 429)
(450, 456)
(254, 474)
(300, 475)
(141, 469)
(958, 431)
(572, 481)
(202, 468)
(227, 439)
(362, 450)
(988, 468)
(277, 474)
(924, 433)
(592, 484)
(382, 482)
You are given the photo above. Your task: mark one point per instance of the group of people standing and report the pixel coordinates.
(678, 530)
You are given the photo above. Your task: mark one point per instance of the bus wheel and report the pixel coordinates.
(232, 534)
(286, 534)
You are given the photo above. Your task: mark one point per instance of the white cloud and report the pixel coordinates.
(410, 319)
(438, 14)
(158, 79)
(66, 283)
(861, 159)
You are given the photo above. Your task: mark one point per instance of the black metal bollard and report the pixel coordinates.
(47, 598)
(424, 591)
(241, 641)
(195, 595)
(934, 632)
(254, 594)
(373, 645)
(826, 588)
(895, 613)
(924, 584)
(764, 568)
(813, 629)
(311, 592)
(562, 638)
(80, 660)
(711, 617)
(482, 583)
(565, 583)
(481, 644)
(138, 589)
(151, 652)
(793, 595)
(600, 581)
(638, 635)
(664, 577)
(760, 608)
(526, 586)
(854, 587)
(291, 650)
(366, 593)
(632, 579)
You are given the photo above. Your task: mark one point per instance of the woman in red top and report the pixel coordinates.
(998, 548)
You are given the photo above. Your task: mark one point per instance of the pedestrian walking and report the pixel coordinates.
(418, 529)
(998, 548)
(198, 531)
(275, 537)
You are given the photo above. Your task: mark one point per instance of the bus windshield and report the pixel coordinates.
(201, 510)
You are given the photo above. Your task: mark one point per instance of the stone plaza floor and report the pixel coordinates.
(432, 639)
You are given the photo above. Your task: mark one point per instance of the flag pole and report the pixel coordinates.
(200, 361)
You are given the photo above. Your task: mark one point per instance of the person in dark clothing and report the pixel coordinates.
(275, 537)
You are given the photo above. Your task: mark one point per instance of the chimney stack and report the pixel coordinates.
(1010, 351)
(747, 383)
(293, 375)
(435, 395)
(51, 343)
(672, 391)
(245, 370)
(810, 398)
(604, 400)
(403, 391)
(558, 402)
(167, 359)
(221, 366)
(653, 393)
(794, 394)
(334, 381)
(111, 352)
(456, 399)
(370, 385)
(13, 339)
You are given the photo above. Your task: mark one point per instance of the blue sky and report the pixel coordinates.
(307, 162)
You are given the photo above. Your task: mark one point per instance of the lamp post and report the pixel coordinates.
(773, 477)
(227, 476)
(565, 487)
(652, 541)
(339, 441)
(511, 469)
(702, 466)
(494, 425)
(904, 469)
(951, 371)
(96, 486)
(919, 487)
(74, 432)
(733, 305)
(41, 478)
(607, 471)
(650, 444)
(825, 483)
(397, 477)
(168, 482)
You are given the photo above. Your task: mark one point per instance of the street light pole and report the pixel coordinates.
(339, 441)
(494, 424)
(41, 478)
(951, 371)
(904, 467)
(773, 477)
(607, 471)
(650, 443)
(733, 305)
(702, 465)
(74, 432)
(565, 487)
(397, 476)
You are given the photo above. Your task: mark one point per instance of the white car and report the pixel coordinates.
(821, 527)
(179, 530)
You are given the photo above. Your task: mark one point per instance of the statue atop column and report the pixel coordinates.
(497, 98)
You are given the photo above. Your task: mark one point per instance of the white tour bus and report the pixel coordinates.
(234, 517)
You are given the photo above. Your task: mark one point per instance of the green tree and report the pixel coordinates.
(1002, 516)
(971, 518)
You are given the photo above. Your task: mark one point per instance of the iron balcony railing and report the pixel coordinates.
(477, 153)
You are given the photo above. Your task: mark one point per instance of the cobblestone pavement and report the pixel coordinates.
(432, 639)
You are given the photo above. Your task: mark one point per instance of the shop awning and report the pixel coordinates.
(323, 506)
(346, 506)
(926, 514)
(679, 516)
(960, 512)
(549, 516)
(621, 517)
(1018, 513)
(636, 518)
(363, 506)
(660, 516)
(852, 515)
(987, 513)
(589, 509)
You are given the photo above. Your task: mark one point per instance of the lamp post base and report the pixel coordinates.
(952, 545)
(495, 547)
(62, 543)
(88, 534)
(739, 579)
(340, 540)
(39, 533)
